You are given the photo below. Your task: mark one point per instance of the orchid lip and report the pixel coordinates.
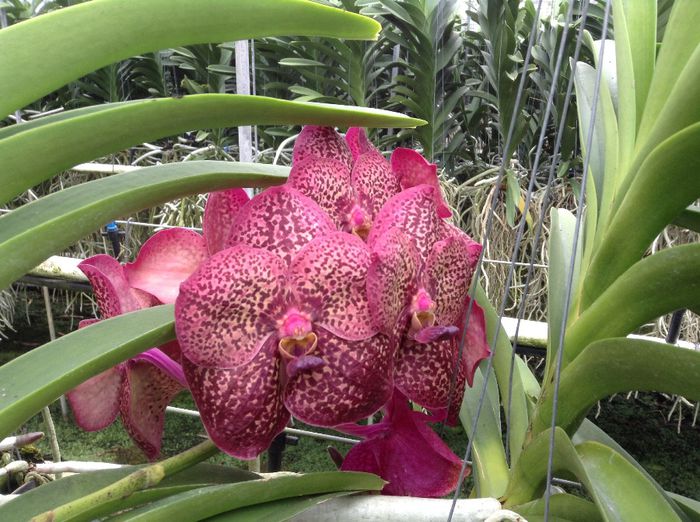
(359, 222)
(294, 347)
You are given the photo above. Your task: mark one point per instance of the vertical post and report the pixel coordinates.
(46, 413)
(245, 133)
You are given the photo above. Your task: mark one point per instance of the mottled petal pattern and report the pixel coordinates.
(357, 141)
(327, 182)
(166, 260)
(449, 271)
(329, 275)
(374, 180)
(242, 407)
(413, 211)
(146, 392)
(410, 456)
(281, 220)
(227, 308)
(391, 278)
(111, 288)
(222, 206)
(412, 169)
(321, 142)
(95, 403)
(354, 382)
(424, 371)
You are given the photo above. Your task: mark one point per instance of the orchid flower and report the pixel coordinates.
(351, 180)
(405, 451)
(171, 255)
(418, 284)
(138, 389)
(262, 336)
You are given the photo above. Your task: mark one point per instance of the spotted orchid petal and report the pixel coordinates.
(374, 180)
(166, 260)
(413, 212)
(391, 279)
(281, 220)
(163, 362)
(146, 392)
(357, 141)
(110, 286)
(449, 271)
(95, 403)
(407, 453)
(321, 142)
(219, 212)
(327, 182)
(354, 381)
(476, 346)
(241, 408)
(328, 275)
(225, 311)
(412, 169)
(424, 371)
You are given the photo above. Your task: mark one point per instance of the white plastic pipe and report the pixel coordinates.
(400, 509)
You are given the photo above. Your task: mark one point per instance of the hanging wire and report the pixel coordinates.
(572, 264)
(489, 229)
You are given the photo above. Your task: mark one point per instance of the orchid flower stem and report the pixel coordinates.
(88, 507)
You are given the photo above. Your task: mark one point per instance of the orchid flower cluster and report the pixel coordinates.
(339, 293)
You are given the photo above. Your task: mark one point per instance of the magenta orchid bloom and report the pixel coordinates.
(351, 180)
(405, 451)
(418, 285)
(139, 388)
(278, 323)
(171, 255)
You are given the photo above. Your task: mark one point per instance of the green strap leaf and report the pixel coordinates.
(656, 285)
(72, 487)
(66, 141)
(44, 53)
(672, 170)
(561, 507)
(37, 378)
(689, 218)
(277, 510)
(619, 365)
(31, 233)
(201, 503)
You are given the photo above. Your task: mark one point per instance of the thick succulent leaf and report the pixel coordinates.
(327, 182)
(449, 270)
(146, 392)
(618, 365)
(117, 29)
(39, 377)
(491, 473)
(207, 502)
(227, 309)
(281, 220)
(166, 260)
(689, 218)
(656, 285)
(109, 283)
(412, 169)
(328, 275)
(354, 382)
(35, 231)
(241, 407)
(562, 506)
(71, 487)
(670, 169)
(95, 403)
(89, 135)
(413, 212)
(391, 279)
(373, 180)
(219, 212)
(409, 455)
(321, 143)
